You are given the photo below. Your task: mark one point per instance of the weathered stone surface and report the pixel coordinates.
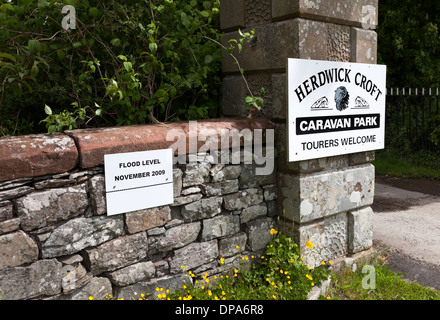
(220, 188)
(178, 201)
(362, 157)
(248, 178)
(137, 272)
(190, 190)
(16, 249)
(243, 199)
(96, 287)
(194, 255)
(177, 182)
(270, 192)
(9, 225)
(253, 212)
(97, 194)
(329, 237)
(220, 226)
(53, 183)
(146, 219)
(36, 155)
(345, 12)
(308, 197)
(360, 230)
(170, 282)
(276, 42)
(227, 173)
(257, 12)
(117, 253)
(364, 44)
(15, 193)
(43, 277)
(156, 231)
(94, 143)
(279, 103)
(176, 237)
(81, 233)
(195, 173)
(40, 209)
(228, 246)
(232, 14)
(73, 276)
(6, 210)
(204, 208)
(258, 231)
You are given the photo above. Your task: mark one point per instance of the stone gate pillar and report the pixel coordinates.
(327, 199)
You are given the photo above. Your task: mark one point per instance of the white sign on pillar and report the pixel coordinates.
(334, 108)
(138, 180)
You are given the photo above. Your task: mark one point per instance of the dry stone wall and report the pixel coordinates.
(57, 242)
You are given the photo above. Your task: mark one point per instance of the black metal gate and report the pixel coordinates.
(411, 117)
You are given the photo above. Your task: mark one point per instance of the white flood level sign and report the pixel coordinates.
(334, 108)
(138, 180)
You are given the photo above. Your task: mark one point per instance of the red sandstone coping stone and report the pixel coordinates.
(93, 144)
(36, 155)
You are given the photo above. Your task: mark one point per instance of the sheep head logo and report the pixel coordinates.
(341, 98)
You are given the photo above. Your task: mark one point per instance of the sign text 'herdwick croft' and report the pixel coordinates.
(334, 108)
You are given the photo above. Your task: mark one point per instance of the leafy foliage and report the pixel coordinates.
(279, 274)
(409, 42)
(125, 63)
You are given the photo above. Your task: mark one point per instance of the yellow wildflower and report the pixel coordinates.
(222, 260)
(323, 263)
(328, 298)
(209, 293)
(309, 277)
(91, 298)
(330, 261)
(273, 231)
(309, 245)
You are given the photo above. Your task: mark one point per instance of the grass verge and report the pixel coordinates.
(378, 282)
(418, 165)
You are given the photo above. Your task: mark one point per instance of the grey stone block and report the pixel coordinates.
(364, 44)
(360, 230)
(329, 237)
(341, 12)
(81, 233)
(220, 226)
(258, 231)
(308, 197)
(43, 277)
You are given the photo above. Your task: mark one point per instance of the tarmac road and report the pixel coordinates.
(407, 222)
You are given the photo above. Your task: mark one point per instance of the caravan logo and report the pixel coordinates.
(331, 104)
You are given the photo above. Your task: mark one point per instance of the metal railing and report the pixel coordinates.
(412, 114)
